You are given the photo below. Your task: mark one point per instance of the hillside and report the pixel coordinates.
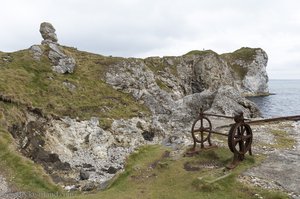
(70, 119)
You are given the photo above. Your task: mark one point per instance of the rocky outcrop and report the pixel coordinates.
(36, 51)
(62, 63)
(250, 70)
(161, 83)
(228, 101)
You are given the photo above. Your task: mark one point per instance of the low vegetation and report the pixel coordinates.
(200, 52)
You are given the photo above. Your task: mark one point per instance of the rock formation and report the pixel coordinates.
(162, 82)
(250, 66)
(48, 33)
(62, 63)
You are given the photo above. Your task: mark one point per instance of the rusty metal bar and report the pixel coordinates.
(295, 117)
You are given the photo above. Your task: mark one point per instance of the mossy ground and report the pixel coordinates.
(150, 173)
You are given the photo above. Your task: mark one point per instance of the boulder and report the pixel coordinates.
(84, 175)
(48, 33)
(228, 101)
(36, 52)
(65, 65)
(88, 187)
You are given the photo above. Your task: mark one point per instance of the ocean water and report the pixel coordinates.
(284, 102)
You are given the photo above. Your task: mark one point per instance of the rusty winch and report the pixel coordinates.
(239, 138)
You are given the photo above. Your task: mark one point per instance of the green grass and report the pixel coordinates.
(245, 54)
(22, 173)
(149, 175)
(200, 52)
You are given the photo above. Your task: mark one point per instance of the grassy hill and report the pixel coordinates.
(28, 82)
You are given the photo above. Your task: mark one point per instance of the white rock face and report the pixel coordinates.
(250, 76)
(85, 143)
(256, 78)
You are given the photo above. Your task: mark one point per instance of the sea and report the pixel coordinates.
(284, 100)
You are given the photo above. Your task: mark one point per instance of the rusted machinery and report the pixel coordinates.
(240, 135)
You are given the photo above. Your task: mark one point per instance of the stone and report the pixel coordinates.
(148, 135)
(62, 166)
(228, 101)
(36, 51)
(112, 170)
(69, 86)
(65, 65)
(103, 185)
(88, 187)
(48, 33)
(84, 175)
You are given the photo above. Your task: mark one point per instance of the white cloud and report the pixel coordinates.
(161, 27)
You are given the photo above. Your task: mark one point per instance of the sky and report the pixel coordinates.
(143, 28)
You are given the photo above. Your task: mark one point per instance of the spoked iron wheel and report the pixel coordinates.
(240, 138)
(201, 131)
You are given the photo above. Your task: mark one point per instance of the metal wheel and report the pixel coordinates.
(201, 131)
(240, 138)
